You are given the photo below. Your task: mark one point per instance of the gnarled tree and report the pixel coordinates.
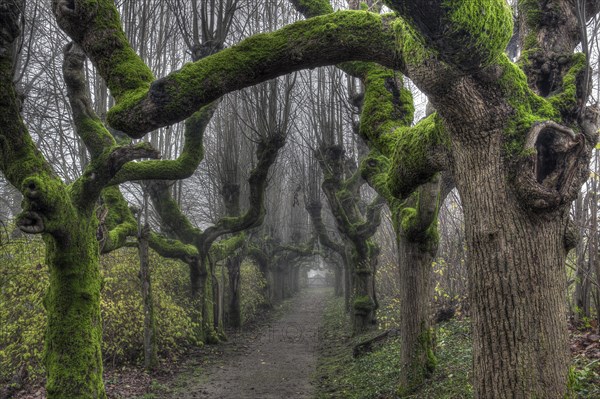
(520, 136)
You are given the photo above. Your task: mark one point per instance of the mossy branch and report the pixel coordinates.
(107, 158)
(88, 125)
(259, 255)
(226, 247)
(173, 249)
(285, 255)
(467, 34)
(312, 8)
(117, 221)
(179, 224)
(417, 218)
(144, 104)
(100, 171)
(387, 106)
(419, 153)
(180, 168)
(19, 157)
(170, 213)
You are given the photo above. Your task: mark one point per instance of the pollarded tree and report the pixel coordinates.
(519, 136)
(342, 182)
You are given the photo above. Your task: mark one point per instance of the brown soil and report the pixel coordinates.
(277, 360)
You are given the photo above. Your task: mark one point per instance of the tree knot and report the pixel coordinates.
(554, 167)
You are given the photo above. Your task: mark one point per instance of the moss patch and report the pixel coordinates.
(386, 106)
(411, 152)
(479, 29)
(528, 107)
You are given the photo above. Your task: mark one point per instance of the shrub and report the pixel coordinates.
(23, 283)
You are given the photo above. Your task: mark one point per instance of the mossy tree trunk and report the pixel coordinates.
(417, 240)
(415, 226)
(65, 216)
(264, 266)
(364, 302)
(72, 354)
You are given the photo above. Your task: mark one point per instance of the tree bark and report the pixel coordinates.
(150, 355)
(417, 359)
(517, 282)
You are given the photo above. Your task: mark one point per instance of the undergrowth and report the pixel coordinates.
(374, 375)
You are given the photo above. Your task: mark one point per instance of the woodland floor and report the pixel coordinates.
(302, 349)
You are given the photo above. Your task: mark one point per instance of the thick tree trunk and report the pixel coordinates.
(233, 269)
(416, 344)
(150, 356)
(73, 357)
(206, 299)
(517, 281)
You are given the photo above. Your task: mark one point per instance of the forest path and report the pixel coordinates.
(276, 361)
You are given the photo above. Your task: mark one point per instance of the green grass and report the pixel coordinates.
(452, 378)
(339, 375)
(375, 375)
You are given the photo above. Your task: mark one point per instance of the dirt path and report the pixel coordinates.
(276, 361)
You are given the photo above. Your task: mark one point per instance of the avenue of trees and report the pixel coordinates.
(220, 132)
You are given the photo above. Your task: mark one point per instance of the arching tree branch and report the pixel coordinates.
(144, 104)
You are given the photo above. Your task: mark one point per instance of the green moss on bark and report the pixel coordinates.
(73, 356)
(224, 248)
(411, 162)
(387, 105)
(528, 107)
(568, 99)
(124, 71)
(312, 8)
(411, 44)
(480, 28)
(119, 222)
(424, 364)
(363, 304)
